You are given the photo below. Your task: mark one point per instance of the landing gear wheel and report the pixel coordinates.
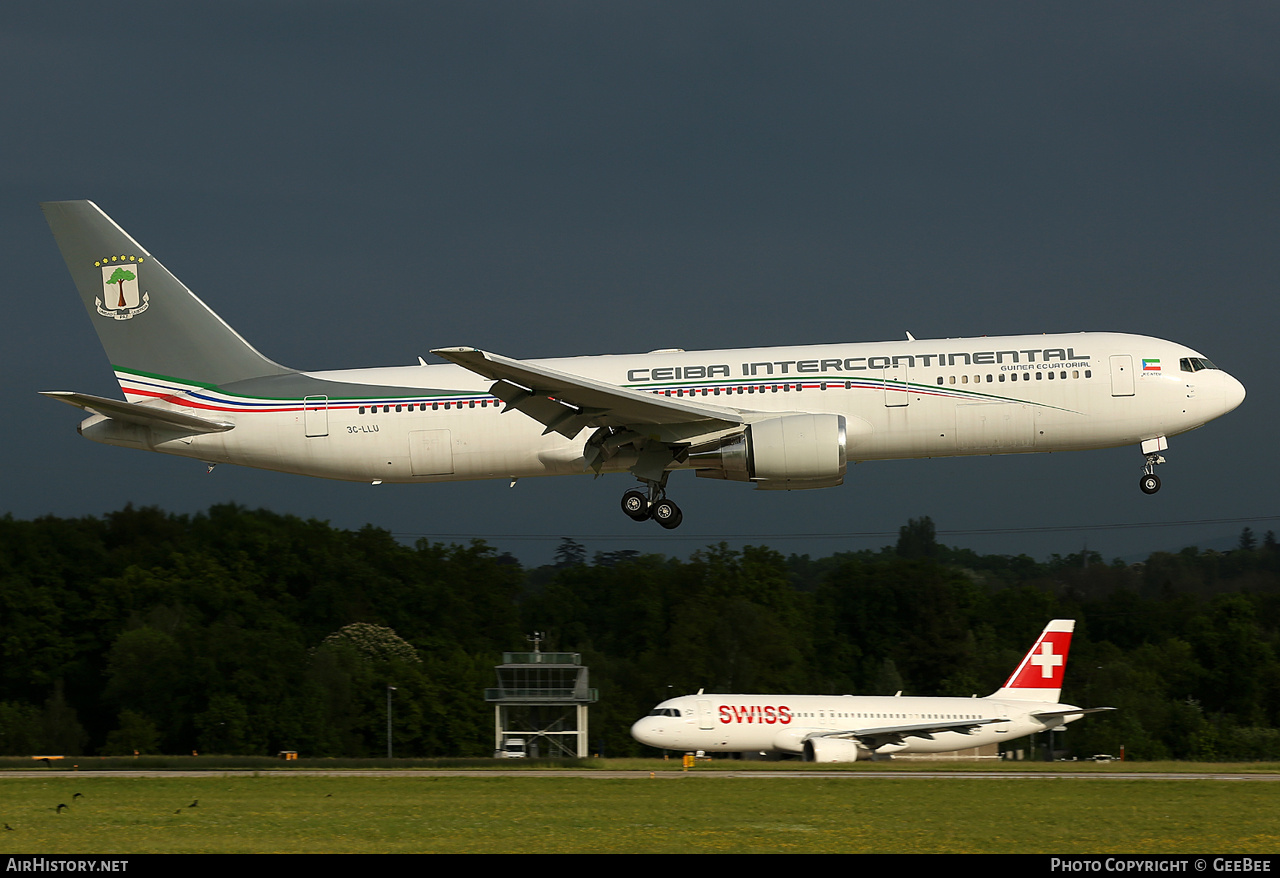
(636, 505)
(667, 514)
(1150, 483)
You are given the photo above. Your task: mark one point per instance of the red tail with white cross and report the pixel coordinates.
(1039, 676)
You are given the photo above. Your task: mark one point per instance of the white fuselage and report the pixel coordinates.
(782, 723)
(905, 399)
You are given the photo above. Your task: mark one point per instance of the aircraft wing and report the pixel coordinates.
(146, 416)
(567, 403)
(878, 737)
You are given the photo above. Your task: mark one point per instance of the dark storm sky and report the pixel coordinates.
(351, 184)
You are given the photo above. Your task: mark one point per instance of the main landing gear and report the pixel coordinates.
(642, 505)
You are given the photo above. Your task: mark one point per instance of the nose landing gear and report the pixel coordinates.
(1150, 482)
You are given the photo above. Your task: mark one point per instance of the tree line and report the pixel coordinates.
(242, 631)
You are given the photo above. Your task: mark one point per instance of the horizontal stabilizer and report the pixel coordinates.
(144, 416)
(1071, 711)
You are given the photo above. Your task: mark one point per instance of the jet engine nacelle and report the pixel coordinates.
(834, 750)
(788, 453)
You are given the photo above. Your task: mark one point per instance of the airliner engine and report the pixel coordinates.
(789, 453)
(834, 750)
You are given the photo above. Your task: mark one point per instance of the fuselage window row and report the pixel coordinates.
(1026, 376)
(1188, 365)
(422, 406)
(751, 388)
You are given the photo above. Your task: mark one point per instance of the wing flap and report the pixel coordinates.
(563, 418)
(132, 413)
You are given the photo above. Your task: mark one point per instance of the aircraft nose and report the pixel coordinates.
(646, 731)
(1232, 393)
(641, 730)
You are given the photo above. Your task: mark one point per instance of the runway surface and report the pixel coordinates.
(669, 775)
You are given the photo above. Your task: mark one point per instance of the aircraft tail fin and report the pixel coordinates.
(1039, 675)
(146, 319)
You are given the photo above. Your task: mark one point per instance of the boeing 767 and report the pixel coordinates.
(781, 418)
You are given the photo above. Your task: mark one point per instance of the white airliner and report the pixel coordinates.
(846, 728)
(782, 418)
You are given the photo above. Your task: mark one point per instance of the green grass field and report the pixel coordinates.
(699, 812)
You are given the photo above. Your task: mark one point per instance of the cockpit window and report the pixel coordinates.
(1195, 364)
(664, 711)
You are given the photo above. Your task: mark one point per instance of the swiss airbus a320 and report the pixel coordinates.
(847, 728)
(783, 418)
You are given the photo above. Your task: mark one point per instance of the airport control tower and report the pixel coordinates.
(540, 704)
